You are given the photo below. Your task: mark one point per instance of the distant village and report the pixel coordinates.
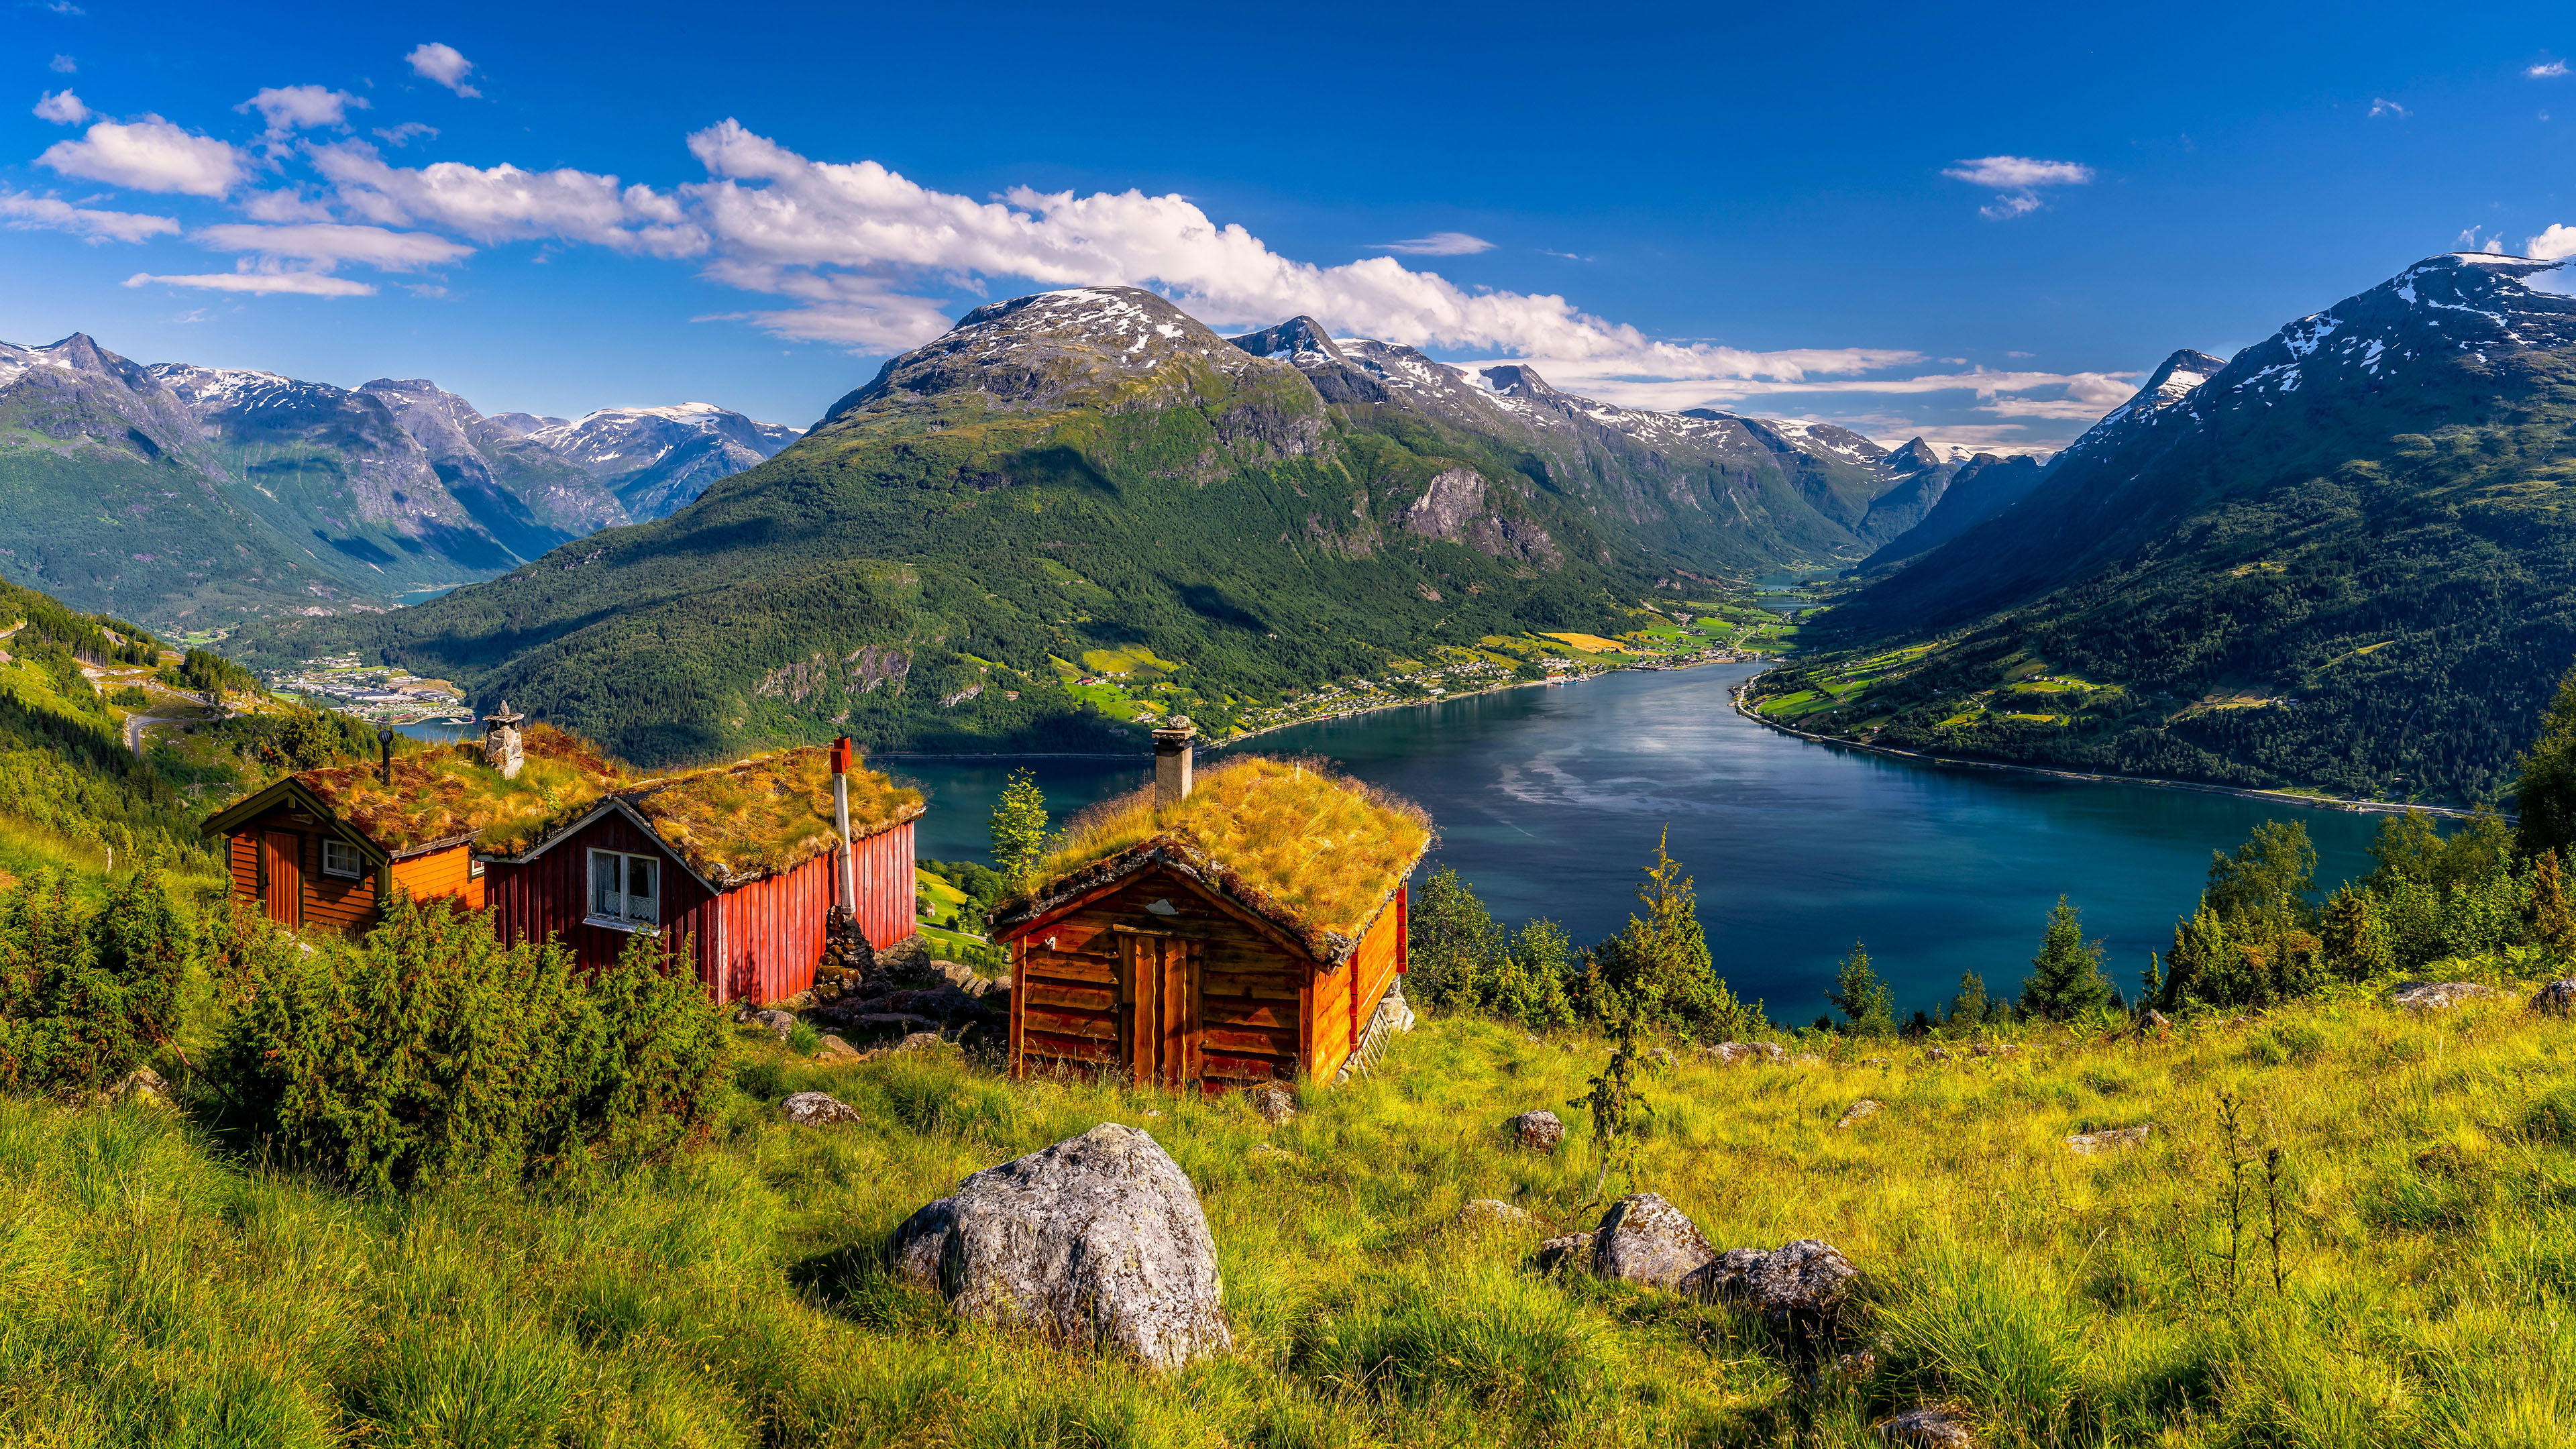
(379, 694)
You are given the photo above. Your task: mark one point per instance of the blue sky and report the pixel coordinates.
(1906, 219)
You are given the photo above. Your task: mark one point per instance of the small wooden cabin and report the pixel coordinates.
(739, 861)
(1242, 931)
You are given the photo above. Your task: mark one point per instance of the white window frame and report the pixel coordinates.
(627, 917)
(341, 850)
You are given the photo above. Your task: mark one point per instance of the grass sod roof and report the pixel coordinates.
(767, 814)
(1310, 850)
(448, 792)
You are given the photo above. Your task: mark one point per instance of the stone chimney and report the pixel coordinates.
(501, 741)
(1172, 761)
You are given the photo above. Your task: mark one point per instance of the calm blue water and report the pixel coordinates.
(1549, 800)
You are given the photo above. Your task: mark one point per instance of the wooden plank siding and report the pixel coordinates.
(773, 932)
(550, 896)
(446, 872)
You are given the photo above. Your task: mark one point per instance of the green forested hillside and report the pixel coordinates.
(1018, 506)
(2347, 561)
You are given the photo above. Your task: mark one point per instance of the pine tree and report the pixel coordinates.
(1970, 1006)
(1019, 828)
(2552, 925)
(2548, 802)
(2356, 935)
(1868, 1007)
(1658, 966)
(2066, 979)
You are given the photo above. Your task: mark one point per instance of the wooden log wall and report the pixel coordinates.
(446, 872)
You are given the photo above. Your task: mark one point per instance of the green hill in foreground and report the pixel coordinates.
(156, 1291)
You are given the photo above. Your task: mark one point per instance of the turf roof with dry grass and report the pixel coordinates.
(447, 793)
(1305, 847)
(763, 815)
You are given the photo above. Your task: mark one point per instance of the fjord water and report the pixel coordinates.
(1549, 799)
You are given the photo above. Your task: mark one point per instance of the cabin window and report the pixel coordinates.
(340, 858)
(625, 890)
(473, 867)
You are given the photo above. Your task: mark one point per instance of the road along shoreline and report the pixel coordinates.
(1737, 696)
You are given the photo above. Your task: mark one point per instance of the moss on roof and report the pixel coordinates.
(767, 814)
(448, 793)
(1314, 852)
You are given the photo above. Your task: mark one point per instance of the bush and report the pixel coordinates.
(434, 1051)
(86, 996)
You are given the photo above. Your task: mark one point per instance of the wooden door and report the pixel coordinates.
(1158, 1008)
(281, 877)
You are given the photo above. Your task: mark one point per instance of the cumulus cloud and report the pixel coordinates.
(290, 108)
(150, 155)
(2559, 241)
(443, 64)
(63, 109)
(2547, 70)
(62, 65)
(22, 212)
(1439, 244)
(2017, 181)
(304, 284)
(327, 244)
(504, 203)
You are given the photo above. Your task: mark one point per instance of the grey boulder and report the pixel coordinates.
(1927, 1428)
(1574, 1250)
(1540, 1131)
(1644, 1239)
(2558, 998)
(1799, 1287)
(2093, 1144)
(1861, 1111)
(2439, 995)
(776, 1023)
(1732, 1053)
(1097, 1240)
(1272, 1102)
(816, 1109)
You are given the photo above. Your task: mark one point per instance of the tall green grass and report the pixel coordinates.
(154, 1290)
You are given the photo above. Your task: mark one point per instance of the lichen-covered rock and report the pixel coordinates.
(1097, 1240)
(1860, 1111)
(1798, 1288)
(1272, 1102)
(1486, 1212)
(2090, 1144)
(2153, 1023)
(776, 1023)
(833, 1048)
(1572, 1250)
(1733, 1053)
(816, 1109)
(1927, 1427)
(1540, 1131)
(2558, 998)
(140, 1085)
(1644, 1239)
(2439, 995)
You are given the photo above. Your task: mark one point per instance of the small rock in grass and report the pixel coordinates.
(776, 1023)
(1860, 1111)
(1660, 1056)
(2439, 995)
(1486, 1212)
(2558, 998)
(816, 1109)
(1732, 1053)
(1644, 1239)
(1573, 1249)
(141, 1085)
(1927, 1428)
(1266, 1155)
(1935, 1054)
(1272, 1102)
(2153, 1023)
(1540, 1131)
(1099, 1239)
(834, 1048)
(2088, 1144)
(1874, 1062)
(912, 1043)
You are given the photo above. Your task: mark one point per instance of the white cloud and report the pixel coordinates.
(504, 203)
(284, 204)
(445, 65)
(1439, 244)
(2547, 70)
(406, 133)
(2017, 181)
(62, 65)
(289, 108)
(327, 244)
(2380, 107)
(149, 155)
(304, 284)
(22, 212)
(2559, 241)
(63, 108)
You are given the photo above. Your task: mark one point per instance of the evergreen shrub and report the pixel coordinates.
(86, 995)
(433, 1051)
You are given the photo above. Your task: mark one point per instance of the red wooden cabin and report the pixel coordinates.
(739, 862)
(1245, 931)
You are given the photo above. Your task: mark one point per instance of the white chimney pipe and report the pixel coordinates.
(1172, 753)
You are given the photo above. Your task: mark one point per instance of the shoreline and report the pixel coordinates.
(2354, 806)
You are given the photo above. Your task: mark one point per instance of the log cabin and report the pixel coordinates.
(1215, 934)
(737, 864)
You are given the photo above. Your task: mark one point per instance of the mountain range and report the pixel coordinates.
(195, 497)
(2343, 559)
(1090, 475)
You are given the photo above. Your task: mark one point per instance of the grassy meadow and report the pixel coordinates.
(158, 1288)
